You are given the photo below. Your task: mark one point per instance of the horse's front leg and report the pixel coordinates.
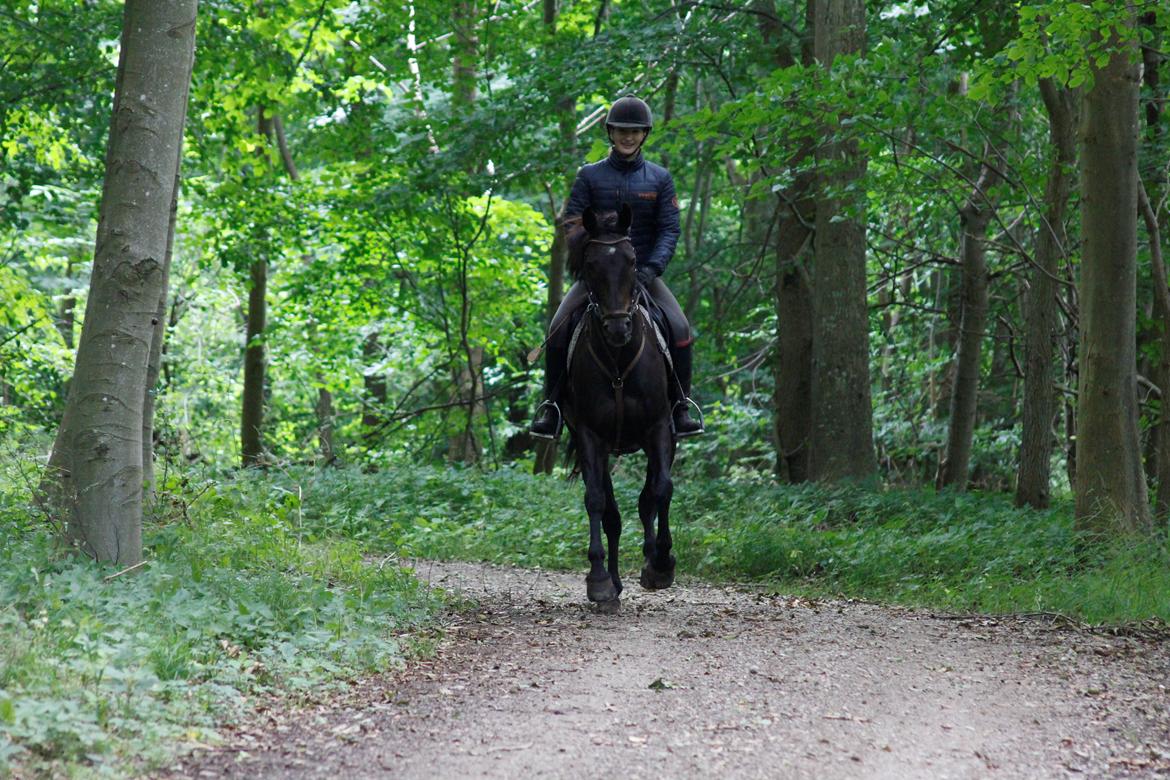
(612, 523)
(654, 502)
(599, 585)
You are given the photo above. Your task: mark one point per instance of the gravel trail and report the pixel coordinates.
(713, 682)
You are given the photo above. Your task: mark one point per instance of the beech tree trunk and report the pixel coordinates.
(975, 214)
(1033, 482)
(792, 239)
(95, 478)
(842, 413)
(794, 346)
(546, 451)
(158, 335)
(1111, 495)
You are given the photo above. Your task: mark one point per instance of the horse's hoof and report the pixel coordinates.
(612, 607)
(601, 590)
(653, 579)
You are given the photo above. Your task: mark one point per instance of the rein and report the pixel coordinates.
(617, 379)
(617, 376)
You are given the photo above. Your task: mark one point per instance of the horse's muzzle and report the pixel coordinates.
(618, 330)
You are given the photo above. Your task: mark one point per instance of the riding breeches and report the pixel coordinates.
(575, 298)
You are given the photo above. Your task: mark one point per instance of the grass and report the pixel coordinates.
(264, 583)
(103, 677)
(958, 552)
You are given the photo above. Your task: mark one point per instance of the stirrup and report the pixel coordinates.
(556, 434)
(698, 411)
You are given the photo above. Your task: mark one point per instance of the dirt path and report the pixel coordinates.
(707, 682)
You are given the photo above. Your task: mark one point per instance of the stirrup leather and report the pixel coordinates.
(556, 434)
(698, 411)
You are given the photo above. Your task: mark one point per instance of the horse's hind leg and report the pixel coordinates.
(612, 522)
(599, 585)
(654, 502)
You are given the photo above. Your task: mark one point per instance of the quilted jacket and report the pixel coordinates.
(647, 188)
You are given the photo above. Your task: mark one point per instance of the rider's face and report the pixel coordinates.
(626, 139)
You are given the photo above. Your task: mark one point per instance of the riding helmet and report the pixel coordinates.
(629, 111)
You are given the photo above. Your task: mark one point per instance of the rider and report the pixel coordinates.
(625, 177)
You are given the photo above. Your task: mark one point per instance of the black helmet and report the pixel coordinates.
(629, 111)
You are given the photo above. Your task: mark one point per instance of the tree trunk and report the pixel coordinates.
(66, 313)
(1033, 481)
(546, 451)
(796, 215)
(975, 214)
(465, 447)
(1161, 432)
(154, 366)
(1111, 494)
(271, 128)
(794, 318)
(375, 386)
(465, 53)
(252, 418)
(842, 427)
(325, 416)
(95, 477)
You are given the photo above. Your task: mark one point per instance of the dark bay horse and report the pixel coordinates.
(616, 400)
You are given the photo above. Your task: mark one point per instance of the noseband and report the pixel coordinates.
(596, 308)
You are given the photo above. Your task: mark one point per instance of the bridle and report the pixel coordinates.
(596, 309)
(617, 376)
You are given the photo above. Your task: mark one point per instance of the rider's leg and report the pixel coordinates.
(548, 416)
(682, 354)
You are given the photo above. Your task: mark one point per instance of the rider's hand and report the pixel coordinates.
(645, 275)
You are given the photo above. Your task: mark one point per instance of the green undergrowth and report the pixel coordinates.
(287, 583)
(957, 552)
(109, 676)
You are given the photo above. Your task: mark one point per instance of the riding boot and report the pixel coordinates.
(684, 424)
(547, 424)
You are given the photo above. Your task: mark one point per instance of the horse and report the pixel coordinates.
(617, 400)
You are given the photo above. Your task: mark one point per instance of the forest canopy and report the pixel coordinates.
(364, 254)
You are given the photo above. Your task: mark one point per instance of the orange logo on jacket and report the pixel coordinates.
(647, 195)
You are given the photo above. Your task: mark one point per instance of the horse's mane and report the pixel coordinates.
(576, 237)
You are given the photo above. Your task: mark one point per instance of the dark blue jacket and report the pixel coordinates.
(649, 190)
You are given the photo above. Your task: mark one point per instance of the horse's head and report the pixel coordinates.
(607, 270)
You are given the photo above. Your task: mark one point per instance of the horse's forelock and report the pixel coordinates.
(577, 237)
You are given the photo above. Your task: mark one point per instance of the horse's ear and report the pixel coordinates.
(625, 217)
(589, 220)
